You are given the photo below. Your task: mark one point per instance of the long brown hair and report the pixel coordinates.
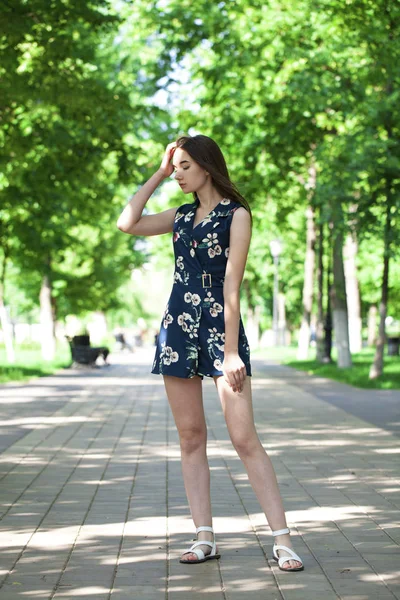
(208, 155)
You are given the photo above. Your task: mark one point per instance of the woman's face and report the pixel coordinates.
(188, 173)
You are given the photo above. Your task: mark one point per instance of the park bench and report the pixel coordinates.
(83, 353)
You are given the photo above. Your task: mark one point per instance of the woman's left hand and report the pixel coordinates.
(234, 371)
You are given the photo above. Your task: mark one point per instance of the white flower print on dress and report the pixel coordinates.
(225, 201)
(168, 355)
(215, 336)
(226, 252)
(192, 332)
(189, 216)
(216, 346)
(209, 297)
(212, 238)
(216, 339)
(177, 277)
(184, 317)
(168, 320)
(189, 327)
(193, 298)
(215, 309)
(207, 219)
(178, 216)
(192, 249)
(179, 263)
(213, 332)
(212, 242)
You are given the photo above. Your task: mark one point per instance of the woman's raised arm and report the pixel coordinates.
(131, 220)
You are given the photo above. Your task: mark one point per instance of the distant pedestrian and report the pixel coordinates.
(202, 333)
(121, 342)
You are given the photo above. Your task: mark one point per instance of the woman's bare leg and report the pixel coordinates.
(186, 401)
(238, 412)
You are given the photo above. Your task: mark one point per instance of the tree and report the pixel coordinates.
(277, 96)
(71, 124)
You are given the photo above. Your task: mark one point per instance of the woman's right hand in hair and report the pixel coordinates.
(166, 167)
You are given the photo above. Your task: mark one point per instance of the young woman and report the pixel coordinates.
(202, 333)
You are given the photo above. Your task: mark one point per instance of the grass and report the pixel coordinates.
(356, 376)
(29, 364)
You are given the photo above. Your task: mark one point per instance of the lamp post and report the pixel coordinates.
(276, 251)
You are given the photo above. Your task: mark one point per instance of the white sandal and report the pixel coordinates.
(283, 559)
(201, 557)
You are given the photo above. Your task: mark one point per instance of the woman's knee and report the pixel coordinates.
(192, 439)
(245, 443)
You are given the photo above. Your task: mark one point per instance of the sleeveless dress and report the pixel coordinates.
(192, 331)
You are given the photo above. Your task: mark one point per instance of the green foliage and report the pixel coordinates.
(281, 85)
(76, 125)
(29, 364)
(92, 92)
(358, 374)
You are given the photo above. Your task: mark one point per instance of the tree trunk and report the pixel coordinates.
(4, 320)
(304, 334)
(376, 369)
(47, 321)
(253, 318)
(372, 323)
(7, 328)
(328, 320)
(253, 326)
(339, 304)
(353, 293)
(319, 329)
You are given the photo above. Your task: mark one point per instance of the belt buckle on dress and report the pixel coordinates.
(203, 280)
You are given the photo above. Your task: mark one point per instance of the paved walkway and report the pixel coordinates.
(93, 505)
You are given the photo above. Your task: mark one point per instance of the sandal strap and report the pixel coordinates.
(280, 531)
(201, 543)
(282, 559)
(205, 528)
(198, 552)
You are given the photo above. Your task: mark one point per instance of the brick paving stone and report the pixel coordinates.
(93, 503)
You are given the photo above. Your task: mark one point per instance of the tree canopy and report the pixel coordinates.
(92, 91)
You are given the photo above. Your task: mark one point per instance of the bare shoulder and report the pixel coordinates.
(241, 222)
(240, 236)
(242, 215)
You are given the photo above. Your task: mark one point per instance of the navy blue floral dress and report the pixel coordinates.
(192, 332)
